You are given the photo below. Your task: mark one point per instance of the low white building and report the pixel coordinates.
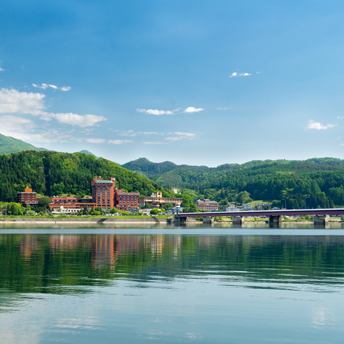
(145, 211)
(66, 210)
(232, 207)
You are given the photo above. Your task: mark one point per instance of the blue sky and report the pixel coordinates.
(194, 82)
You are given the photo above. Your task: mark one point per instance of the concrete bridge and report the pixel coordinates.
(275, 216)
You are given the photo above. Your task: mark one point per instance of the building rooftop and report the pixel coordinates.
(104, 182)
(125, 192)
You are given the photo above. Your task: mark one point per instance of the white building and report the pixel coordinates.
(248, 207)
(66, 210)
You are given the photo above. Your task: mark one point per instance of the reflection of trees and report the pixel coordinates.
(46, 263)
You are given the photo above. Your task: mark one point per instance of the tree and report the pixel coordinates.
(168, 206)
(44, 201)
(154, 211)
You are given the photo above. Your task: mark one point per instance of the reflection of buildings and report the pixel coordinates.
(103, 251)
(177, 244)
(28, 245)
(208, 241)
(127, 243)
(157, 244)
(58, 242)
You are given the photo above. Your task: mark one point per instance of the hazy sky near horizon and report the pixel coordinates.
(192, 81)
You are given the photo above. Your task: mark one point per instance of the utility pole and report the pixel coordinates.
(285, 202)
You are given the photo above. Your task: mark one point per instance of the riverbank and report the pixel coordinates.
(98, 220)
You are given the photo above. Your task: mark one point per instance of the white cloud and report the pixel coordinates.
(224, 108)
(43, 86)
(75, 119)
(2, 70)
(128, 133)
(9, 124)
(192, 109)
(54, 87)
(156, 112)
(13, 101)
(150, 133)
(25, 129)
(154, 143)
(338, 117)
(95, 140)
(181, 136)
(319, 126)
(235, 74)
(119, 142)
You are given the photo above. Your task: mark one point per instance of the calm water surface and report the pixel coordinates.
(159, 285)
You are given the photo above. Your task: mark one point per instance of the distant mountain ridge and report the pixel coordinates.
(154, 169)
(320, 181)
(10, 145)
(85, 151)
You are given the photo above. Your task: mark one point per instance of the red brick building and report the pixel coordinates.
(63, 200)
(27, 197)
(104, 196)
(126, 200)
(103, 192)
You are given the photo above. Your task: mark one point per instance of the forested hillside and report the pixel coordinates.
(153, 170)
(320, 180)
(53, 173)
(11, 145)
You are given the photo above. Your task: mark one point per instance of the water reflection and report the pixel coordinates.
(84, 288)
(48, 263)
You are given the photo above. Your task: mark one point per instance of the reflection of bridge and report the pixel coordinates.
(275, 216)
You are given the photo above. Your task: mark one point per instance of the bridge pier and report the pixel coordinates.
(208, 220)
(321, 220)
(275, 221)
(184, 221)
(238, 221)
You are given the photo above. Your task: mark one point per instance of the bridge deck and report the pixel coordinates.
(259, 213)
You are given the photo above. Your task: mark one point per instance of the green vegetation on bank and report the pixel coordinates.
(52, 173)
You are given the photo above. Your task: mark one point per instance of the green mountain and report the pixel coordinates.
(150, 169)
(53, 173)
(319, 180)
(86, 152)
(11, 145)
(153, 170)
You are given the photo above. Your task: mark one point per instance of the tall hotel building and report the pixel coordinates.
(103, 192)
(105, 196)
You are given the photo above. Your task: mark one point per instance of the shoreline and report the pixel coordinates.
(99, 221)
(102, 220)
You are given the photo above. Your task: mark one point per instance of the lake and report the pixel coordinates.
(171, 285)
